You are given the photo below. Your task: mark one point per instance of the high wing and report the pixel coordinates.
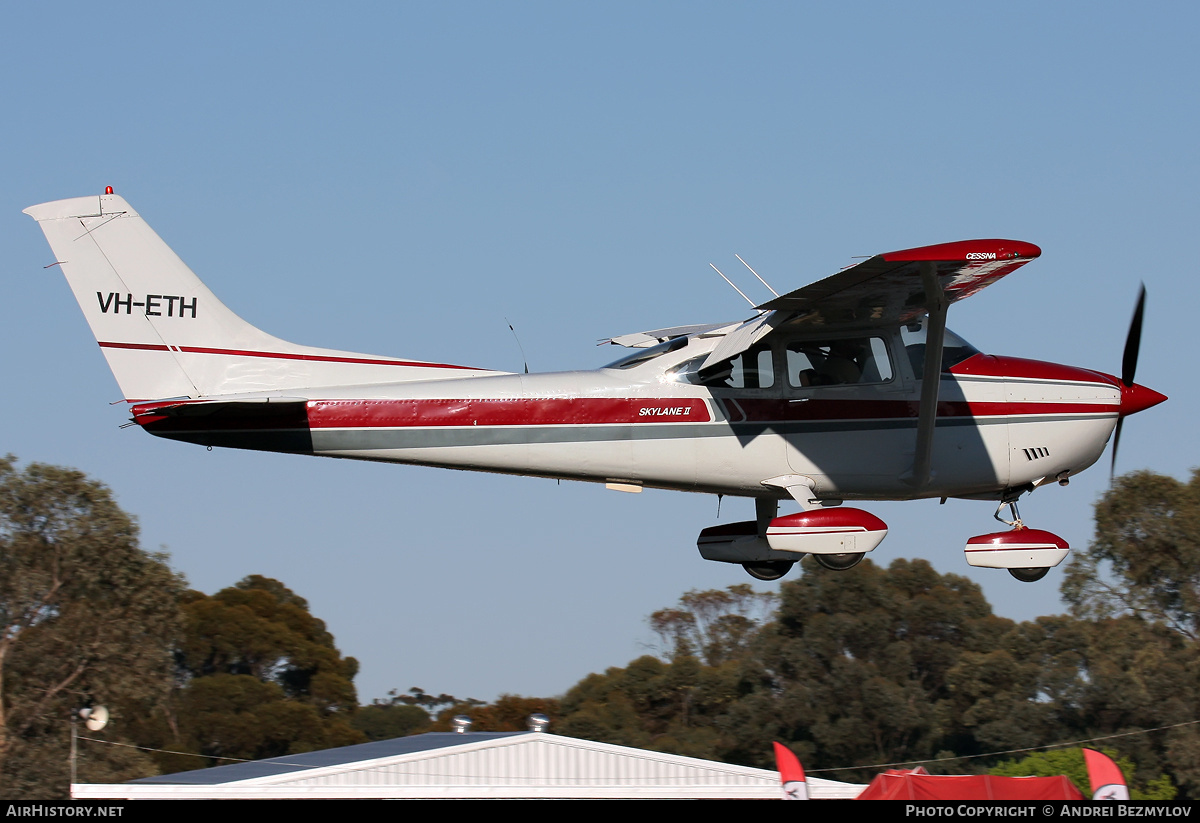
(885, 291)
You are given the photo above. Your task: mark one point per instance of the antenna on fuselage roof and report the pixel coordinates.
(519, 346)
(735, 288)
(756, 274)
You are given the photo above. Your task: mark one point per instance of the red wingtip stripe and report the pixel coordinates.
(967, 250)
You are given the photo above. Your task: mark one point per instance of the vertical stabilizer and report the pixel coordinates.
(166, 335)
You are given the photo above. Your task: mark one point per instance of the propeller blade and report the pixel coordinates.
(1133, 342)
(1112, 470)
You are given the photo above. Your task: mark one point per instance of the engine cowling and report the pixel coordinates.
(836, 530)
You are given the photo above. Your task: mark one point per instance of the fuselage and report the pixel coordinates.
(850, 387)
(655, 420)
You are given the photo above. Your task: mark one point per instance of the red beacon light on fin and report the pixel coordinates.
(108, 190)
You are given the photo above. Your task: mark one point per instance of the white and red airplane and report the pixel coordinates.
(819, 398)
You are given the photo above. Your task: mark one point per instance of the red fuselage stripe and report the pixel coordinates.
(369, 414)
(593, 411)
(323, 358)
(352, 414)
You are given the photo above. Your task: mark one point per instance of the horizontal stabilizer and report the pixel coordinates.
(270, 423)
(250, 407)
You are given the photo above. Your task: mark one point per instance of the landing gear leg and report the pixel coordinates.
(766, 509)
(1012, 507)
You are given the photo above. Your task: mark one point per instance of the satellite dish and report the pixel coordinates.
(95, 718)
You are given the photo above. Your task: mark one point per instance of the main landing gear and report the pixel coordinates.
(775, 569)
(838, 537)
(1027, 553)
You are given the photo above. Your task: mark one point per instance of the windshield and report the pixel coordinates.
(954, 348)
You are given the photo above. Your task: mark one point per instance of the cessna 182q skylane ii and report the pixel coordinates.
(821, 397)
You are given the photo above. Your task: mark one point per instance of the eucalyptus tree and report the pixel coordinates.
(86, 617)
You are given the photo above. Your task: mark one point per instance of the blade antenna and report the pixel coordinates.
(756, 274)
(735, 288)
(519, 346)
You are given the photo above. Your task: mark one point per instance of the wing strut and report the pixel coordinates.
(931, 377)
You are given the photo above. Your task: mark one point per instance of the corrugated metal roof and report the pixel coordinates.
(532, 759)
(325, 758)
(477, 764)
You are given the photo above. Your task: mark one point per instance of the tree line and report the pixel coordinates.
(853, 670)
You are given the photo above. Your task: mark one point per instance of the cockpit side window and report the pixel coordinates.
(837, 362)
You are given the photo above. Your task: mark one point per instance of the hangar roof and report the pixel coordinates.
(471, 765)
(344, 756)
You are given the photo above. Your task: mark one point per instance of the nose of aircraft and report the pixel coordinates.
(1137, 398)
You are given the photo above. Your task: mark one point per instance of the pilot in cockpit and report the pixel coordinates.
(832, 363)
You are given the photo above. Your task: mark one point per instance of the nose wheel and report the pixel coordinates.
(1030, 575)
(1027, 554)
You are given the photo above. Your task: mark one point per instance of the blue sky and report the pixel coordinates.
(408, 178)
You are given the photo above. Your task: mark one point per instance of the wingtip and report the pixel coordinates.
(967, 250)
